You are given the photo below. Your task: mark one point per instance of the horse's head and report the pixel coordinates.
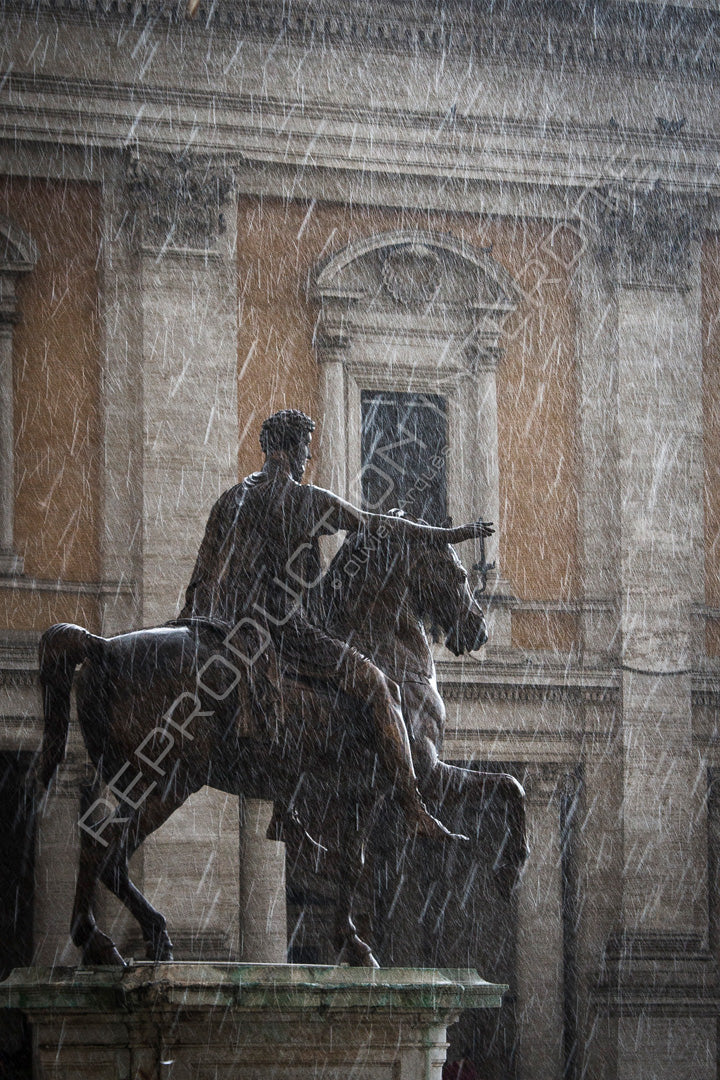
(439, 582)
(388, 573)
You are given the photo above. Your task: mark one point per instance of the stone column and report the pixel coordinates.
(184, 263)
(121, 334)
(481, 459)
(57, 853)
(263, 910)
(654, 236)
(598, 479)
(18, 255)
(539, 962)
(331, 467)
(186, 242)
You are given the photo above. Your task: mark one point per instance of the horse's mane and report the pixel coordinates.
(364, 562)
(368, 565)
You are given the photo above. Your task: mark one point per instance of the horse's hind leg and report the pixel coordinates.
(116, 876)
(105, 848)
(348, 867)
(96, 849)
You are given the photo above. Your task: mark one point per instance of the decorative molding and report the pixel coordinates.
(19, 678)
(524, 692)
(706, 698)
(416, 268)
(549, 782)
(653, 973)
(179, 198)
(18, 255)
(75, 588)
(648, 232)
(609, 35)
(413, 274)
(419, 286)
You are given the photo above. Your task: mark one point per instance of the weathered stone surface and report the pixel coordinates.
(220, 1020)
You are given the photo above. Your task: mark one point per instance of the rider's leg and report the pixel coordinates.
(360, 677)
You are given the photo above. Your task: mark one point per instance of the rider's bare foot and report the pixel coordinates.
(427, 826)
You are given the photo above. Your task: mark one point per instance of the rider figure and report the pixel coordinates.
(260, 558)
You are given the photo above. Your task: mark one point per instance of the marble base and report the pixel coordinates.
(193, 1021)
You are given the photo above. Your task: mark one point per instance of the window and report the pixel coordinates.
(403, 452)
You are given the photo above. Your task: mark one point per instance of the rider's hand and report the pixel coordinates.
(482, 528)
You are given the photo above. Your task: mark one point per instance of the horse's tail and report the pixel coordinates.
(62, 648)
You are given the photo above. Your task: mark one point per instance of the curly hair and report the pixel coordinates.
(284, 430)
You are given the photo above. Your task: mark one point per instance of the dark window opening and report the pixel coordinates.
(404, 452)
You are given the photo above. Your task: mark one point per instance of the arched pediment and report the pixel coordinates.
(417, 269)
(18, 251)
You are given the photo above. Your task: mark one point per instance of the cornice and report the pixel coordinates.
(624, 36)
(242, 130)
(547, 129)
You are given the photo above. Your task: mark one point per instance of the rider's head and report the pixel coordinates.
(288, 432)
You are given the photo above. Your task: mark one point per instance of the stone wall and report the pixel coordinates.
(186, 184)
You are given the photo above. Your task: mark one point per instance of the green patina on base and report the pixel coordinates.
(211, 1021)
(246, 986)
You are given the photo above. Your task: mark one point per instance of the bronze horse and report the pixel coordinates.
(164, 711)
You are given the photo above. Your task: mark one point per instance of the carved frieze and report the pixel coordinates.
(179, 199)
(609, 33)
(413, 274)
(646, 234)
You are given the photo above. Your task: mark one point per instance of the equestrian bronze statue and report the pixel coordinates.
(316, 691)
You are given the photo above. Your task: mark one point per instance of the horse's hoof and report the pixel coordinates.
(160, 950)
(357, 953)
(100, 951)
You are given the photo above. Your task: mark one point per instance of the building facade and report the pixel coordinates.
(507, 216)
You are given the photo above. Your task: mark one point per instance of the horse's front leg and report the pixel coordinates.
(349, 863)
(449, 787)
(497, 793)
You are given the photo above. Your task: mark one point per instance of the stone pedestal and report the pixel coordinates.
(197, 1021)
(57, 853)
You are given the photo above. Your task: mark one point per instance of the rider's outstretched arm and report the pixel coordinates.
(337, 514)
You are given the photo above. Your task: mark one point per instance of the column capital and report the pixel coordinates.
(483, 353)
(549, 781)
(179, 199)
(646, 233)
(8, 302)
